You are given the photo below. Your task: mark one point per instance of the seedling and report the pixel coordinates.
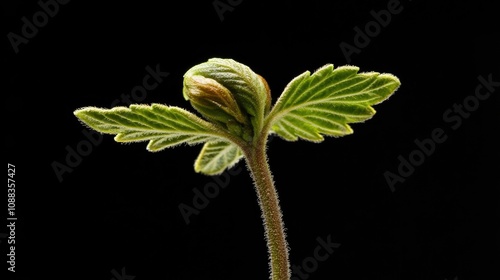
(237, 118)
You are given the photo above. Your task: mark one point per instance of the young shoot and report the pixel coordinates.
(237, 117)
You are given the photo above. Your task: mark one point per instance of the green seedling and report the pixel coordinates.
(237, 118)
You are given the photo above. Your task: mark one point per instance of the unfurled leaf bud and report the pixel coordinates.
(228, 92)
(212, 100)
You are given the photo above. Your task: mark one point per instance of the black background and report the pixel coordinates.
(118, 208)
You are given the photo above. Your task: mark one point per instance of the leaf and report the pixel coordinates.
(215, 157)
(163, 126)
(327, 101)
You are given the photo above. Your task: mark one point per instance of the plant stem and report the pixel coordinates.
(256, 158)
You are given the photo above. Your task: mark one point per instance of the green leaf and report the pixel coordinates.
(163, 126)
(215, 157)
(327, 101)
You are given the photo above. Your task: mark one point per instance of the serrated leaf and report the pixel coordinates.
(163, 126)
(325, 102)
(215, 157)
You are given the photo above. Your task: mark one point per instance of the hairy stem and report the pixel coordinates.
(271, 213)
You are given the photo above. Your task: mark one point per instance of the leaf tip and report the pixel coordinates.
(151, 147)
(198, 168)
(80, 112)
(327, 67)
(392, 84)
(391, 77)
